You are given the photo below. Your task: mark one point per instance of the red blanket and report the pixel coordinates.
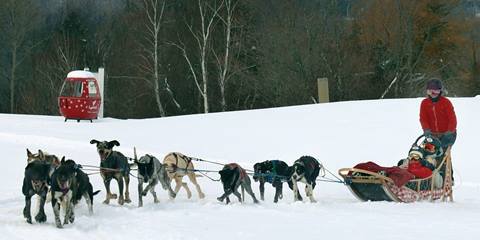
(399, 176)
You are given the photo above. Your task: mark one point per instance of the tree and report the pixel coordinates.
(208, 15)
(408, 41)
(19, 19)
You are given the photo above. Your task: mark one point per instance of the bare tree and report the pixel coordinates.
(223, 62)
(208, 16)
(19, 19)
(154, 10)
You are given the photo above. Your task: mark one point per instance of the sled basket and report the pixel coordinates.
(373, 186)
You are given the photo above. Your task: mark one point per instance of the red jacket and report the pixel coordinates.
(439, 117)
(417, 169)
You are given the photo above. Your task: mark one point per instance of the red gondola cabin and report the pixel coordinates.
(80, 96)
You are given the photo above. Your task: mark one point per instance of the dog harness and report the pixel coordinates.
(232, 166)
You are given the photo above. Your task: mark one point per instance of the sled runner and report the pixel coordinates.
(386, 185)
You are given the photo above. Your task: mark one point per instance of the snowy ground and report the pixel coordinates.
(338, 134)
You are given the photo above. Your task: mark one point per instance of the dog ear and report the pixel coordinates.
(56, 161)
(290, 171)
(40, 154)
(256, 166)
(63, 160)
(29, 154)
(113, 143)
(93, 141)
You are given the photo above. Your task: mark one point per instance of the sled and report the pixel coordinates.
(373, 186)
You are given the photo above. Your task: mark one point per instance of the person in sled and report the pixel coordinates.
(437, 115)
(416, 164)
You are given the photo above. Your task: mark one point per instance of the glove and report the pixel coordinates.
(427, 133)
(448, 138)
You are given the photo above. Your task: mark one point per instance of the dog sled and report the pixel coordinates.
(380, 186)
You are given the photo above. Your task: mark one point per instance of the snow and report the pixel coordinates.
(80, 74)
(338, 134)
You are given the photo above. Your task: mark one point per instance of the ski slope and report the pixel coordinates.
(338, 134)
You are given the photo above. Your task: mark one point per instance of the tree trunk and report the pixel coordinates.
(12, 78)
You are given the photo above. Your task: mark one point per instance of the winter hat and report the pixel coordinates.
(434, 84)
(415, 151)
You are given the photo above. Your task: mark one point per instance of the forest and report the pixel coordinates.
(175, 57)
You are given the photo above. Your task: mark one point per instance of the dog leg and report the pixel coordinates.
(238, 195)
(278, 191)
(296, 193)
(26, 210)
(171, 193)
(248, 188)
(41, 217)
(88, 199)
(127, 192)
(121, 199)
(56, 211)
(193, 179)
(309, 190)
(226, 193)
(189, 193)
(109, 195)
(70, 210)
(140, 195)
(178, 184)
(262, 190)
(152, 191)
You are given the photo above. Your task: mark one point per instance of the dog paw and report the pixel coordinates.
(41, 217)
(144, 193)
(58, 224)
(29, 220)
(127, 200)
(121, 201)
(201, 195)
(220, 199)
(107, 201)
(71, 218)
(113, 196)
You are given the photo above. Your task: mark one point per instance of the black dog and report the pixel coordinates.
(70, 184)
(83, 187)
(306, 170)
(35, 182)
(63, 182)
(114, 165)
(274, 172)
(233, 176)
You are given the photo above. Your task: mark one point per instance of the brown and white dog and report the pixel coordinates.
(44, 157)
(179, 165)
(114, 165)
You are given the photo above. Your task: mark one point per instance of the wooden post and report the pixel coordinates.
(322, 84)
(447, 185)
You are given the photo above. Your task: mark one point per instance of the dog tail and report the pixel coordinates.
(96, 192)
